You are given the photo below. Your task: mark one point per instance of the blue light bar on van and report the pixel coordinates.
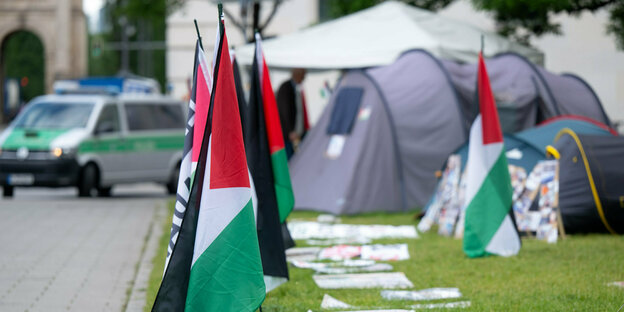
(107, 85)
(74, 87)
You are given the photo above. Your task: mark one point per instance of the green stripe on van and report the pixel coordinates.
(32, 139)
(133, 143)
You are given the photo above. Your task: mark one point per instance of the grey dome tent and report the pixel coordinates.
(591, 176)
(390, 150)
(396, 125)
(525, 94)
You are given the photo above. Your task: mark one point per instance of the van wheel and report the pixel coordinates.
(104, 191)
(88, 181)
(7, 191)
(172, 186)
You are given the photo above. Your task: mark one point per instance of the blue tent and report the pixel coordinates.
(591, 193)
(526, 148)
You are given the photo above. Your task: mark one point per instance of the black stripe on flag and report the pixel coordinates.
(259, 162)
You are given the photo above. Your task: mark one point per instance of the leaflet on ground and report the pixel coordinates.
(317, 230)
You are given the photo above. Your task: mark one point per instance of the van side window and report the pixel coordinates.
(152, 117)
(169, 116)
(108, 120)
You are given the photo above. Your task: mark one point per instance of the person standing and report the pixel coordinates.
(292, 110)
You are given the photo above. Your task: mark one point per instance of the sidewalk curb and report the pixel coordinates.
(137, 296)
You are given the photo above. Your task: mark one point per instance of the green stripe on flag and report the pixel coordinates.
(488, 208)
(228, 275)
(283, 186)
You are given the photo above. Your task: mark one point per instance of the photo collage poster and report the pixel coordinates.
(444, 195)
(447, 206)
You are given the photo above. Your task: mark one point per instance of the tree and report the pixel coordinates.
(142, 21)
(616, 24)
(523, 19)
(519, 20)
(337, 8)
(256, 24)
(23, 59)
(102, 62)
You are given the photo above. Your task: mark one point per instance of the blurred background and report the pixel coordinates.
(43, 41)
(74, 254)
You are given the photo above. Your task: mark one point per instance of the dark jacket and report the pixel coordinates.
(286, 97)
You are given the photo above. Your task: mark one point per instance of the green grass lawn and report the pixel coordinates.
(568, 276)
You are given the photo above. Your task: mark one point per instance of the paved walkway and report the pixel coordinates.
(73, 254)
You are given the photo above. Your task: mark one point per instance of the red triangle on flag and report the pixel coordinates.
(202, 102)
(487, 105)
(271, 115)
(228, 164)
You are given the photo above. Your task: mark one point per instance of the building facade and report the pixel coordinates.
(61, 26)
(290, 16)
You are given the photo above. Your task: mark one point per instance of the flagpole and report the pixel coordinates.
(221, 17)
(198, 35)
(482, 43)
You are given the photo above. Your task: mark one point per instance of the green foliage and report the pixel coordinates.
(23, 56)
(431, 5)
(102, 62)
(524, 19)
(337, 8)
(148, 20)
(519, 20)
(616, 24)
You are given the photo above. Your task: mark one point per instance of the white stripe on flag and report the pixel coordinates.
(205, 68)
(218, 207)
(481, 158)
(271, 282)
(254, 197)
(506, 241)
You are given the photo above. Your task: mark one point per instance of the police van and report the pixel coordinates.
(93, 141)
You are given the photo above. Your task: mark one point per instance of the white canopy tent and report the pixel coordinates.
(377, 36)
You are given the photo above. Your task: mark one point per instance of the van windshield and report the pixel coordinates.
(54, 116)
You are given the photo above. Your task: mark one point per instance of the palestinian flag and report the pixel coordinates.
(279, 162)
(215, 264)
(195, 125)
(489, 227)
(266, 159)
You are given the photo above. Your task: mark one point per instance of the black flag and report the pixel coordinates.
(260, 166)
